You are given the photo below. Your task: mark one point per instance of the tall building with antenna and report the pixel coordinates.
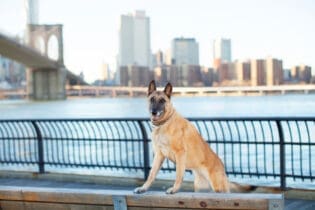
(134, 45)
(31, 11)
(134, 39)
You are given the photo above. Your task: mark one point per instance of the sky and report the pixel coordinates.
(284, 29)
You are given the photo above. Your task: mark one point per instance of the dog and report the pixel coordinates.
(175, 138)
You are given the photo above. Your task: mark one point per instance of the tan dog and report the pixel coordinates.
(175, 138)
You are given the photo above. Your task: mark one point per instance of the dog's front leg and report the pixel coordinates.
(156, 165)
(180, 158)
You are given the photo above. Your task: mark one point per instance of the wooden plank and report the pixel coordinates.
(20, 205)
(201, 200)
(149, 200)
(60, 195)
(11, 205)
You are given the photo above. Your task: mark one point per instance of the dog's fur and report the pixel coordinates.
(175, 138)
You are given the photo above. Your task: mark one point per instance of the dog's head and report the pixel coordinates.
(160, 106)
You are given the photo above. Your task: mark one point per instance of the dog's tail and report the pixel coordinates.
(241, 188)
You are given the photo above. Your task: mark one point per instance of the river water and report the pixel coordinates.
(219, 106)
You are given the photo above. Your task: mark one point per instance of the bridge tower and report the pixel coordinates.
(46, 83)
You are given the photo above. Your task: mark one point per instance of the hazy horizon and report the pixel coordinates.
(257, 29)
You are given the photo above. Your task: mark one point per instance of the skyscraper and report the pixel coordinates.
(134, 40)
(31, 11)
(185, 51)
(31, 16)
(134, 49)
(222, 50)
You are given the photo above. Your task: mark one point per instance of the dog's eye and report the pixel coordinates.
(152, 100)
(162, 101)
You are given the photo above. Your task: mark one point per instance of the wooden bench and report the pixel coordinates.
(42, 198)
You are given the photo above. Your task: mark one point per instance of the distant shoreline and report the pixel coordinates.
(121, 92)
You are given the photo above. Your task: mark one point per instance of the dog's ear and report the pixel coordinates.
(152, 87)
(168, 90)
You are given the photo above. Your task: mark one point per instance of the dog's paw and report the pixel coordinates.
(139, 190)
(171, 190)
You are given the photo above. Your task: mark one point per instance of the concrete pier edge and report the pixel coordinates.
(160, 184)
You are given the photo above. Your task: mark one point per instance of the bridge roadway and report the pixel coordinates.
(30, 57)
(67, 183)
(23, 54)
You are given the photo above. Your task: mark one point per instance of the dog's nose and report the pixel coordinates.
(154, 112)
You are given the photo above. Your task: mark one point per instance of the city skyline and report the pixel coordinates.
(91, 30)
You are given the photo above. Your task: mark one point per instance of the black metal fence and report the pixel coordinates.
(281, 149)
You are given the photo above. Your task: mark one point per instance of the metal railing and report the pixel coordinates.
(280, 149)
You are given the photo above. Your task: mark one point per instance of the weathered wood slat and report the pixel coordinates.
(105, 199)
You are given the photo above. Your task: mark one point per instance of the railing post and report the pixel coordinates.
(282, 156)
(146, 159)
(40, 148)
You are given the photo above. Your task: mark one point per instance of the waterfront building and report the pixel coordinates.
(190, 76)
(287, 76)
(168, 57)
(135, 76)
(106, 76)
(274, 71)
(258, 72)
(11, 72)
(173, 73)
(226, 73)
(301, 73)
(216, 63)
(242, 69)
(158, 59)
(4, 64)
(185, 51)
(207, 76)
(161, 75)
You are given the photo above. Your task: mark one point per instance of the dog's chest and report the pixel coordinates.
(162, 143)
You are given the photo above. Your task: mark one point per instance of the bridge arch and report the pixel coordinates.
(40, 44)
(52, 38)
(52, 47)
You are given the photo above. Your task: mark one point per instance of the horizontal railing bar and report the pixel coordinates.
(258, 118)
(91, 139)
(94, 165)
(243, 142)
(261, 142)
(18, 162)
(17, 138)
(265, 142)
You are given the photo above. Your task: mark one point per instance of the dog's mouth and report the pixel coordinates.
(156, 115)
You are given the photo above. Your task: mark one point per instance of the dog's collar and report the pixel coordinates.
(159, 123)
